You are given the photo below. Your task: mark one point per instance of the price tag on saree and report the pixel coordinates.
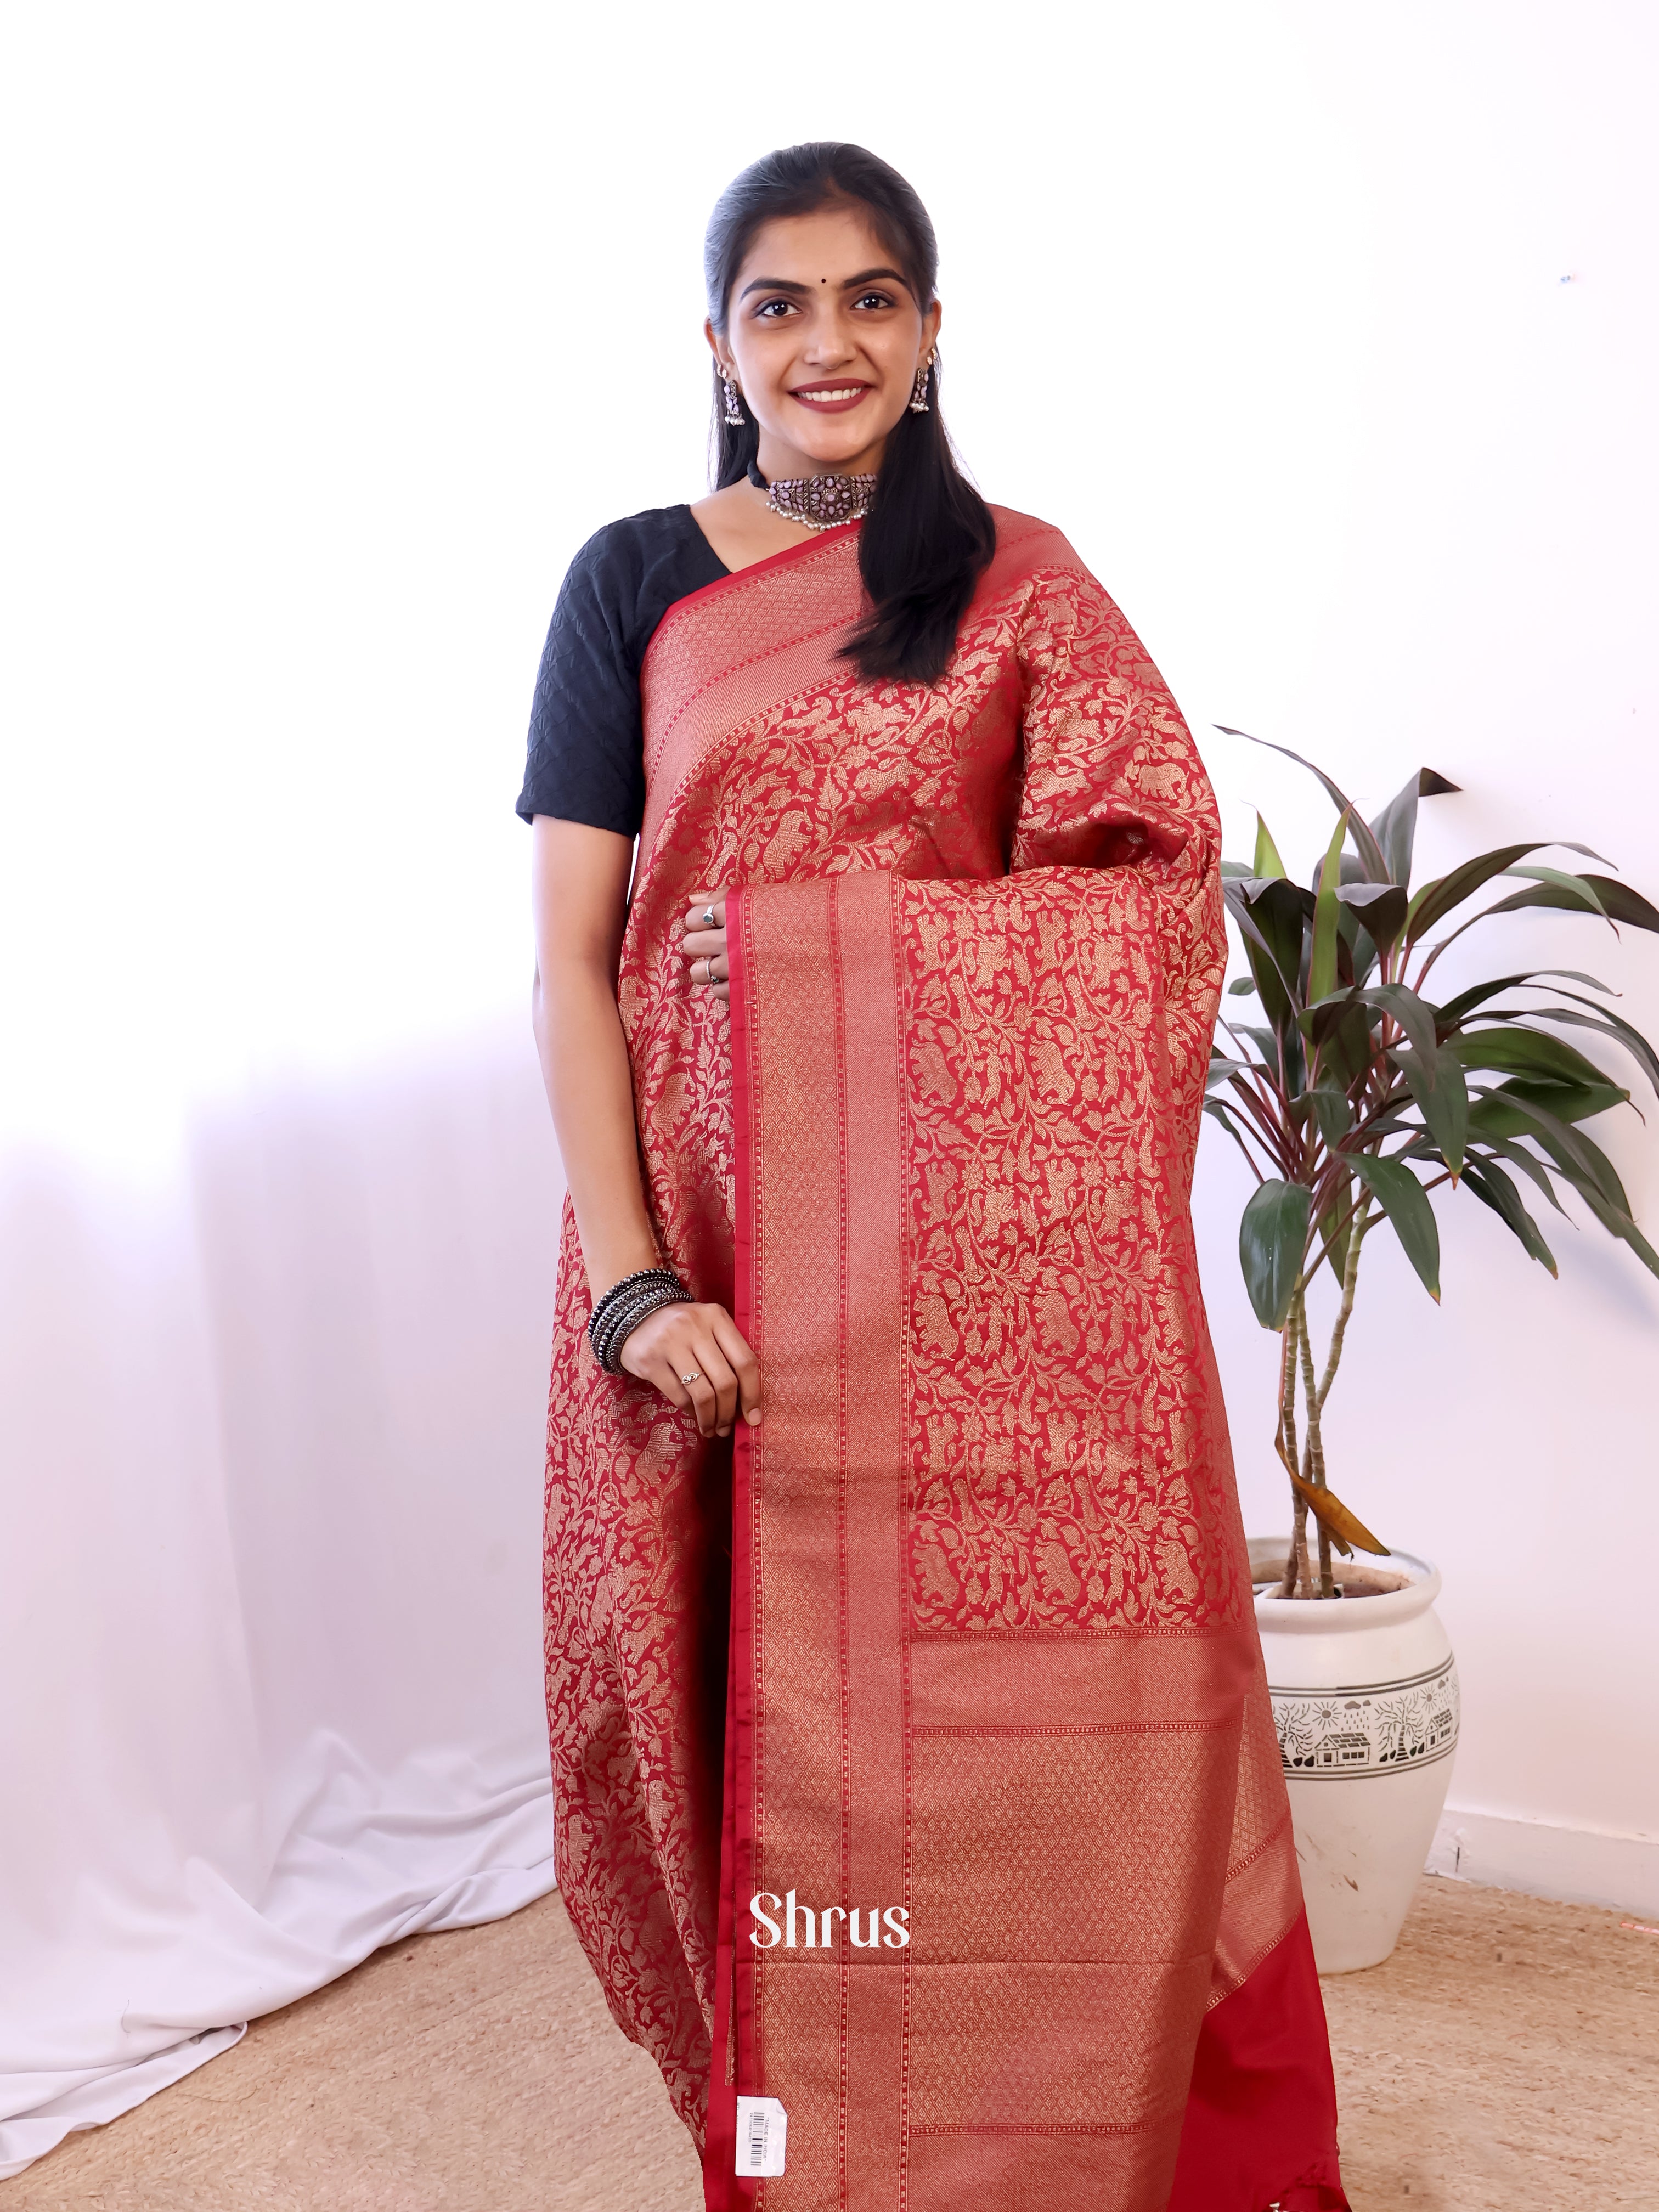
(761, 2125)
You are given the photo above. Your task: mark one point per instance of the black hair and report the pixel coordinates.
(929, 535)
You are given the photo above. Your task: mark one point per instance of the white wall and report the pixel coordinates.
(350, 322)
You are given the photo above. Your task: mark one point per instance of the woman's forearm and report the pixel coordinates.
(579, 893)
(590, 1088)
(694, 1353)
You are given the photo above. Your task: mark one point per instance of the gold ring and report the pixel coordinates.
(694, 1376)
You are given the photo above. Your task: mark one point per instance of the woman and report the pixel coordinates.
(919, 1805)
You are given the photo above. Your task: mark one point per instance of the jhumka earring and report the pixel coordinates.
(919, 393)
(733, 412)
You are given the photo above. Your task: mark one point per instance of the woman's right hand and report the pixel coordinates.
(702, 944)
(696, 1357)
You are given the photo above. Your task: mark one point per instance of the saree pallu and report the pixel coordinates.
(914, 1762)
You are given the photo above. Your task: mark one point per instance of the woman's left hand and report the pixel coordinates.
(703, 944)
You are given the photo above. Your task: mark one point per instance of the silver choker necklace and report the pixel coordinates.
(817, 502)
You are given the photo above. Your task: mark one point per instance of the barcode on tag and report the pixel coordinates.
(761, 2125)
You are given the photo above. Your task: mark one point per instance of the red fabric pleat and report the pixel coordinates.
(724, 2190)
(721, 2134)
(1261, 2079)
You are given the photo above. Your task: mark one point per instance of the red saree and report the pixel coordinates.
(915, 1771)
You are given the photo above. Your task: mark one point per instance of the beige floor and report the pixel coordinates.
(1505, 2059)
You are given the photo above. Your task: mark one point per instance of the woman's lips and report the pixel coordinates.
(829, 398)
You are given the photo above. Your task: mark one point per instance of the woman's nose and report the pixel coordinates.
(829, 345)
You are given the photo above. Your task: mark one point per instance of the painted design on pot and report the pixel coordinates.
(1368, 1728)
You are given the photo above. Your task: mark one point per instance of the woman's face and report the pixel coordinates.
(823, 339)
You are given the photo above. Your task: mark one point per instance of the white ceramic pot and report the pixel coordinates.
(1364, 1693)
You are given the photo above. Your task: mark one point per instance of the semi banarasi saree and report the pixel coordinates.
(918, 1804)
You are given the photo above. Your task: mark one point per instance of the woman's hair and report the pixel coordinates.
(929, 534)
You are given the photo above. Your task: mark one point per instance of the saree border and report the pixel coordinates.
(678, 740)
(813, 1639)
(774, 561)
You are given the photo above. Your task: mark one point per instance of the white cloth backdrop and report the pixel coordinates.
(278, 1195)
(271, 1637)
(1328, 335)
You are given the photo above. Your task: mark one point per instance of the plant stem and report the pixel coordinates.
(1350, 1277)
(1263, 1123)
(1319, 1257)
(1244, 1128)
(1298, 1551)
(1313, 1469)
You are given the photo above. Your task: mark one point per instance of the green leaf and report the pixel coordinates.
(1364, 959)
(1494, 1188)
(1236, 871)
(1621, 1032)
(1264, 1040)
(1322, 960)
(1518, 1156)
(1320, 1021)
(1511, 1048)
(1619, 902)
(1380, 907)
(1623, 904)
(1365, 844)
(1454, 1011)
(1355, 950)
(1593, 1176)
(1339, 1031)
(1344, 1011)
(1508, 1110)
(1618, 1222)
(1414, 1015)
(1273, 941)
(1272, 1237)
(1579, 888)
(1268, 862)
(1264, 971)
(1395, 827)
(1599, 1019)
(1333, 1113)
(1241, 987)
(1338, 1197)
(1541, 1109)
(1270, 918)
(1402, 1200)
(1437, 900)
(1443, 1099)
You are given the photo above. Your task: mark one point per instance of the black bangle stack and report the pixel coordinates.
(625, 1305)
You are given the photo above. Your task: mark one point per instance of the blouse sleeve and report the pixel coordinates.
(1112, 779)
(586, 755)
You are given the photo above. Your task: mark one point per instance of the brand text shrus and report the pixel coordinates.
(801, 1926)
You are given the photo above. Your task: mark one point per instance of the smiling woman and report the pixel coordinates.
(877, 1088)
(821, 265)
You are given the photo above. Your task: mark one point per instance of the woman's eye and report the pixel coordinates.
(774, 310)
(873, 299)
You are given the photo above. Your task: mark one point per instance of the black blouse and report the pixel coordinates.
(586, 754)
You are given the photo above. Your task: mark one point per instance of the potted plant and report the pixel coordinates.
(1356, 1093)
